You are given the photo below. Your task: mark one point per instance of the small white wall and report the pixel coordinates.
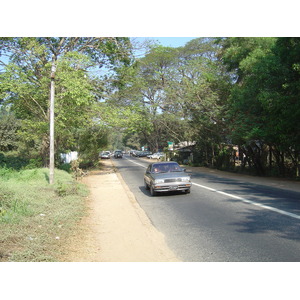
(68, 157)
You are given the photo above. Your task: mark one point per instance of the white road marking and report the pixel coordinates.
(280, 211)
(136, 163)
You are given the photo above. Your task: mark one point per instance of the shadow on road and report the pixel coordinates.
(262, 221)
(159, 195)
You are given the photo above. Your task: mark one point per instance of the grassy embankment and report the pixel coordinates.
(37, 219)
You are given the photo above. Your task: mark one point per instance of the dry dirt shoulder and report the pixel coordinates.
(115, 229)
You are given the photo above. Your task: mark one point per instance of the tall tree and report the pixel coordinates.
(34, 56)
(171, 89)
(264, 106)
(246, 117)
(198, 92)
(279, 96)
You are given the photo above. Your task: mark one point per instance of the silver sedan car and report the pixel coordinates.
(166, 177)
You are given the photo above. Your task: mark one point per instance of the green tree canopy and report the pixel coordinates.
(25, 83)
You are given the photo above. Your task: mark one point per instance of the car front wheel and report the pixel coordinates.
(152, 191)
(187, 191)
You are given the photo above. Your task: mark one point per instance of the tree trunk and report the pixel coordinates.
(213, 155)
(52, 95)
(270, 158)
(279, 157)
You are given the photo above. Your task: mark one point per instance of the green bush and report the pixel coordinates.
(65, 167)
(15, 161)
(34, 163)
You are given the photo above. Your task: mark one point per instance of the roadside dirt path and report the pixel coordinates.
(115, 229)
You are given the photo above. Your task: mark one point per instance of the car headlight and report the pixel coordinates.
(185, 178)
(159, 181)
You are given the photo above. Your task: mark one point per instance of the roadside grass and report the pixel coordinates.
(37, 219)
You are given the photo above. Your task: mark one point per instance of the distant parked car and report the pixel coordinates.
(118, 154)
(143, 153)
(166, 177)
(157, 155)
(136, 153)
(105, 155)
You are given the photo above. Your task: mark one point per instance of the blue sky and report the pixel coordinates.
(164, 41)
(172, 41)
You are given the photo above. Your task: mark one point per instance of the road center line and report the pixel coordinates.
(250, 202)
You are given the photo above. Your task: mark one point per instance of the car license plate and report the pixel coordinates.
(173, 187)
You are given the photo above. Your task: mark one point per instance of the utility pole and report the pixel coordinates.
(52, 95)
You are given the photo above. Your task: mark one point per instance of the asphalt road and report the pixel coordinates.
(222, 219)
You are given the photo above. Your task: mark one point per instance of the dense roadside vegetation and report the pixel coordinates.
(233, 98)
(26, 67)
(237, 99)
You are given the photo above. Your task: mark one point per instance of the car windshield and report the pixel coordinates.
(164, 168)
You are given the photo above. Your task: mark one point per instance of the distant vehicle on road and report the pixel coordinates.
(118, 154)
(166, 177)
(105, 155)
(157, 155)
